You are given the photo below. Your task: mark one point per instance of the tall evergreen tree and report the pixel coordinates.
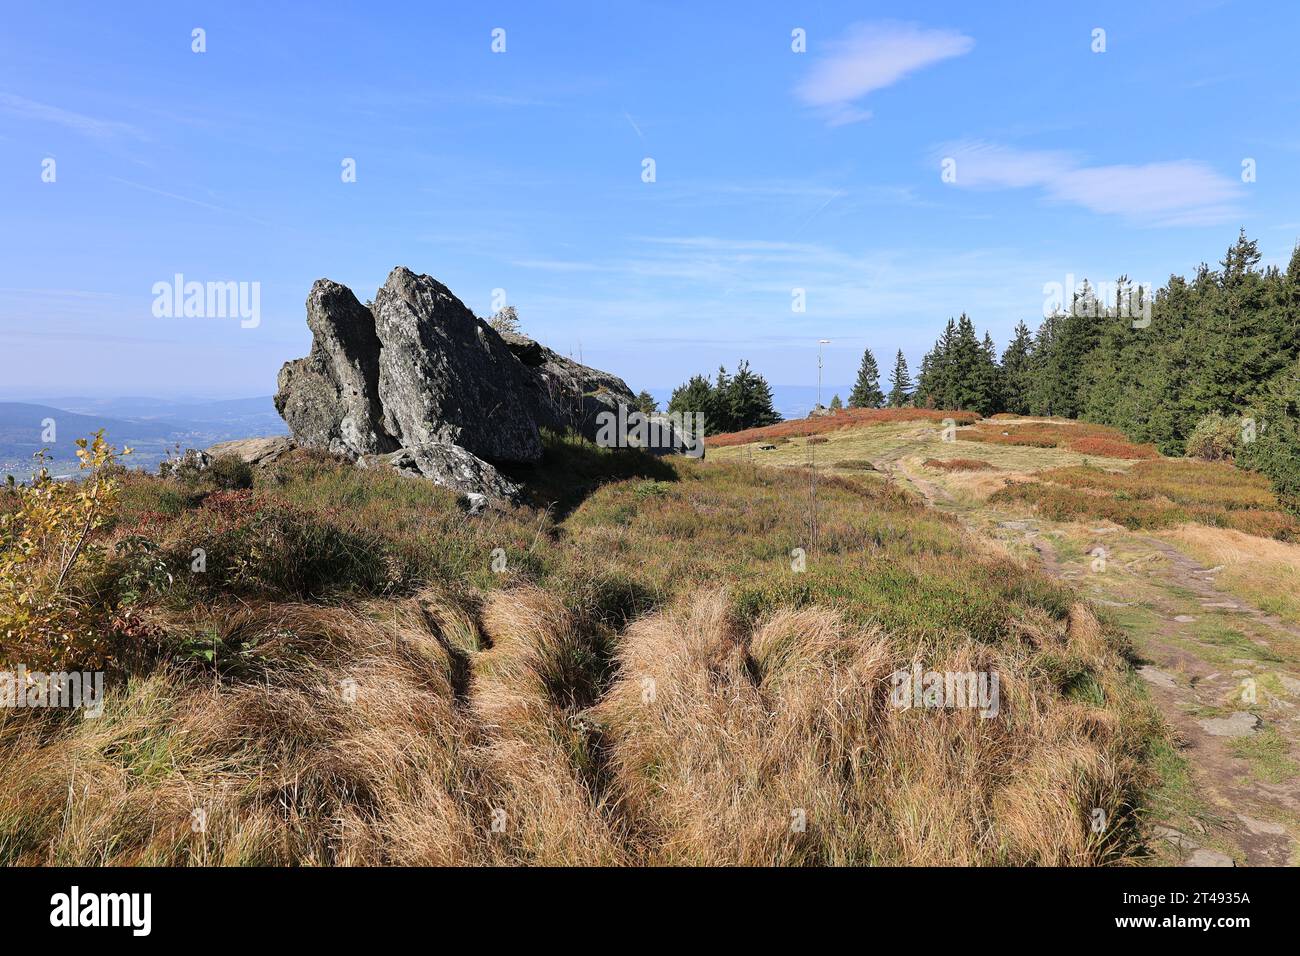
(866, 391)
(1016, 364)
(748, 399)
(988, 379)
(900, 381)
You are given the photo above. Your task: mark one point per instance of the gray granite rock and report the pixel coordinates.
(446, 376)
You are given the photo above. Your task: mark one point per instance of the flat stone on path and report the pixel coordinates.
(1240, 724)
(1262, 826)
(1206, 857)
(1184, 618)
(1153, 675)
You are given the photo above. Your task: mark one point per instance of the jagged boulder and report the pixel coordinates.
(446, 377)
(330, 399)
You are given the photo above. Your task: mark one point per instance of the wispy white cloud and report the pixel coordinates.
(871, 57)
(187, 199)
(24, 108)
(1170, 193)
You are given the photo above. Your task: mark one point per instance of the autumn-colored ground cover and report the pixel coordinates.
(835, 421)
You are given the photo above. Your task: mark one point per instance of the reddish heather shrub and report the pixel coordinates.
(845, 418)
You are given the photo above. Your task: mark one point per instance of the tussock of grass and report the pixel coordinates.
(1266, 752)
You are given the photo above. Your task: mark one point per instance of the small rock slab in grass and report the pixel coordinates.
(1184, 618)
(1153, 675)
(1240, 724)
(1180, 840)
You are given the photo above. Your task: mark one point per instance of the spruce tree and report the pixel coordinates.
(748, 400)
(900, 381)
(866, 391)
(696, 396)
(1016, 361)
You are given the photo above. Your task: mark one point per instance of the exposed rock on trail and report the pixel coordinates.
(416, 382)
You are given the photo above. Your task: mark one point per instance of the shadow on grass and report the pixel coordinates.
(572, 468)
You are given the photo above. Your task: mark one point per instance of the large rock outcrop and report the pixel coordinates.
(417, 383)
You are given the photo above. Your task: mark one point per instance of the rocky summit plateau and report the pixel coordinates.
(415, 381)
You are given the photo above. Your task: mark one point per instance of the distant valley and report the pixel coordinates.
(150, 426)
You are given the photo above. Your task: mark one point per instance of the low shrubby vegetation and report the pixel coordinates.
(1216, 438)
(843, 419)
(1159, 494)
(686, 662)
(1078, 437)
(54, 605)
(959, 464)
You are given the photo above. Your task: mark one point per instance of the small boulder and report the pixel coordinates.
(257, 452)
(448, 465)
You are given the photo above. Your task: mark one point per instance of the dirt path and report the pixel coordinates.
(1224, 674)
(1221, 711)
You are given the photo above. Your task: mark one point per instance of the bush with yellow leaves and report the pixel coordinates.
(46, 532)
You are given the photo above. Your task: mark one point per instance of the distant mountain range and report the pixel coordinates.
(150, 426)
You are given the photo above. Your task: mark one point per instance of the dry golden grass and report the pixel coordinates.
(282, 766)
(722, 738)
(1264, 572)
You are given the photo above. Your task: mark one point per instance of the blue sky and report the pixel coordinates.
(522, 171)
